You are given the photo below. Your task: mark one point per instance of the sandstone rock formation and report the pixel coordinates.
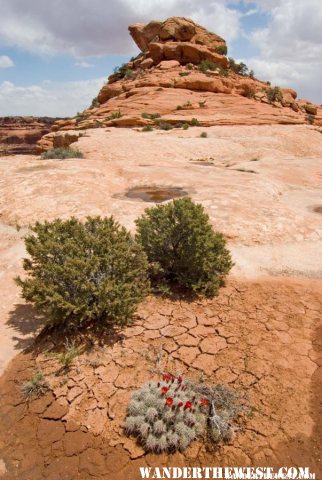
(183, 73)
(178, 39)
(19, 135)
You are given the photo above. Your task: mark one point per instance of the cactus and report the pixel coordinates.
(167, 416)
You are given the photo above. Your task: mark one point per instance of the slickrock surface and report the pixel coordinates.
(262, 338)
(19, 135)
(260, 185)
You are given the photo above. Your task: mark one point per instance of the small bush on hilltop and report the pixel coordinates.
(182, 247)
(79, 272)
(114, 115)
(239, 68)
(95, 103)
(147, 128)
(165, 125)
(249, 91)
(123, 72)
(150, 116)
(274, 94)
(310, 118)
(195, 122)
(222, 50)
(207, 65)
(62, 153)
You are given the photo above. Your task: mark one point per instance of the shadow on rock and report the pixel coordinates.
(27, 323)
(35, 335)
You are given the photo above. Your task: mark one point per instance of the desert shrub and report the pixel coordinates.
(189, 66)
(185, 126)
(36, 386)
(310, 118)
(249, 90)
(225, 406)
(195, 122)
(115, 115)
(207, 65)
(80, 117)
(79, 272)
(274, 94)
(167, 416)
(95, 103)
(184, 74)
(67, 357)
(123, 72)
(62, 153)
(147, 128)
(182, 247)
(239, 68)
(151, 116)
(165, 125)
(203, 135)
(222, 50)
(185, 106)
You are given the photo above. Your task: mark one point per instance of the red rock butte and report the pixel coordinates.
(183, 73)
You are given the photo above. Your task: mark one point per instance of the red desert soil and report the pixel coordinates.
(263, 338)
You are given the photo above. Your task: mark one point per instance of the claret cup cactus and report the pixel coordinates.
(168, 415)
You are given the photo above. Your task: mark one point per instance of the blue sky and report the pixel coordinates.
(53, 60)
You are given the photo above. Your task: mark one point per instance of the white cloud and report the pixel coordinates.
(291, 46)
(48, 99)
(84, 28)
(6, 62)
(84, 64)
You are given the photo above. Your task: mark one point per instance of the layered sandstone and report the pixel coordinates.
(170, 78)
(19, 135)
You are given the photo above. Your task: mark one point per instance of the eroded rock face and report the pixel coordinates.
(170, 78)
(180, 39)
(19, 135)
(174, 29)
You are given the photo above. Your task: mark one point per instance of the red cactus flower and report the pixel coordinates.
(204, 402)
(169, 401)
(180, 404)
(188, 405)
(166, 377)
(164, 390)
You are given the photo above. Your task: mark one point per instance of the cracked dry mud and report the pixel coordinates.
(263, 338)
